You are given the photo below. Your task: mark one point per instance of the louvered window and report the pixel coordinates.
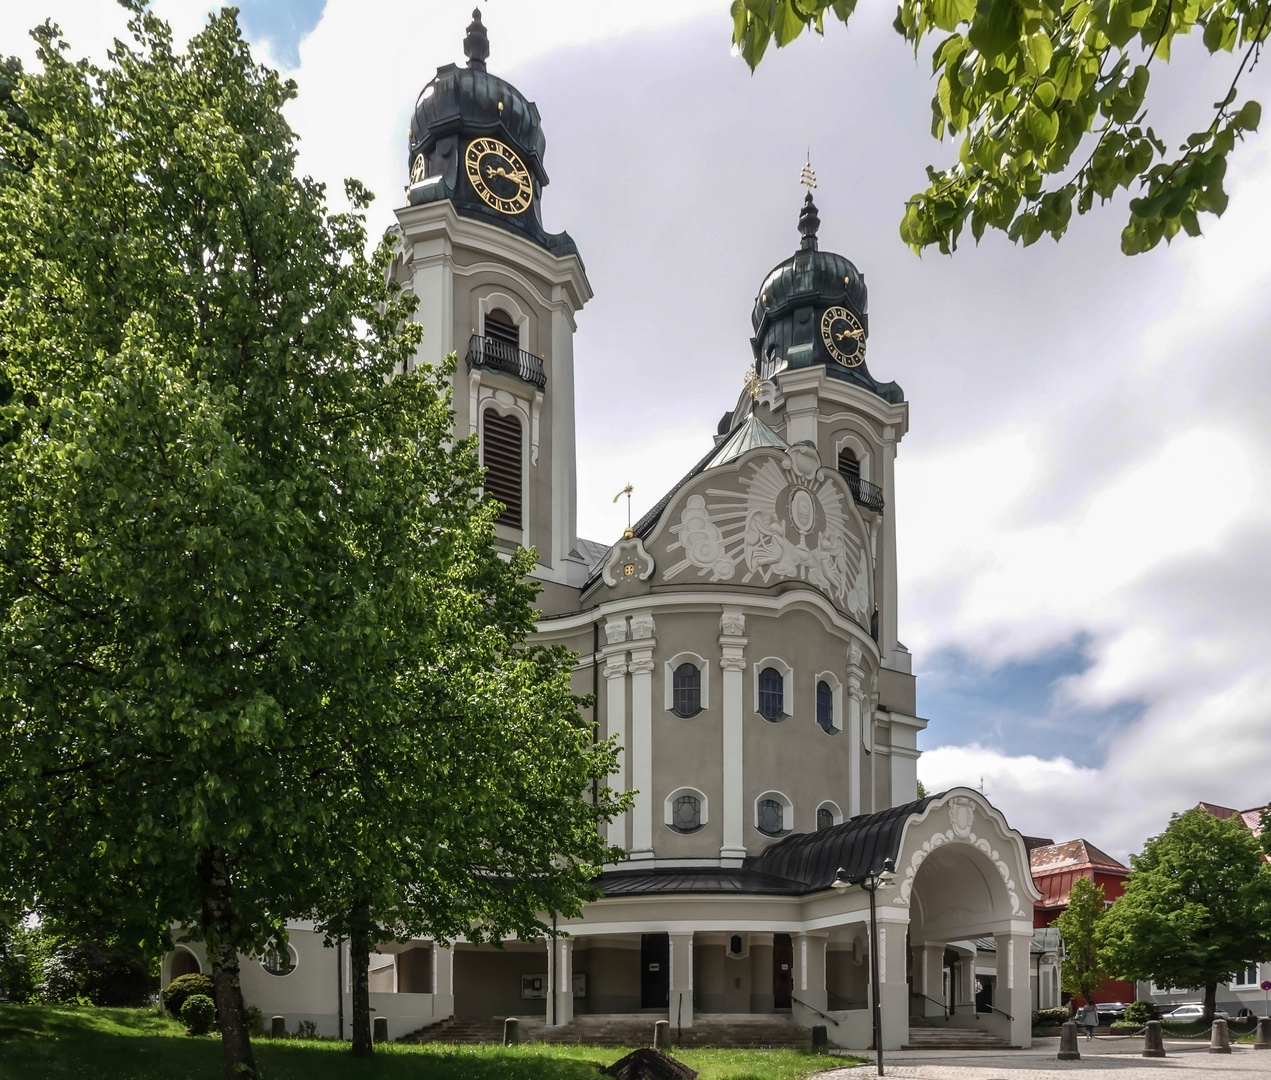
(849, 466)
(501, 455)
(500, 327)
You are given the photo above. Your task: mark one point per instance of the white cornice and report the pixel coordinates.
(440, 218)
(707, 600)
(861, 401)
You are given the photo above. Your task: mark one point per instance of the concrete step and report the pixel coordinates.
(725, 1030)
(922, 1037)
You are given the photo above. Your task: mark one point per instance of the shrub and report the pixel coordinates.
(1124, 1027)
(89, 972)
(255, 1020)
(1051, 1017)
(1140, 1012)
(182, 987)
(198, 1014)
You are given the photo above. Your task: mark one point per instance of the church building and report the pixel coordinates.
(741, 640)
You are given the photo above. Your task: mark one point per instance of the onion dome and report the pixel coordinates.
(813, 308)
(463, 104)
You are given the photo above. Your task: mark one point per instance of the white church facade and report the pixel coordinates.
(742, 643)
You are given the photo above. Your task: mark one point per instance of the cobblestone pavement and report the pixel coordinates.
(1040, 1062)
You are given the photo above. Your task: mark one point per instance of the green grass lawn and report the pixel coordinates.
(38, 1043)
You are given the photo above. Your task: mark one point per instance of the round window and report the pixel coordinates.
(686, 814)
(280, 961)
(771, 815)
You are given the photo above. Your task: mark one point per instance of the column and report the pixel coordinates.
(561, 974)
(732, 643)
(641, 668)
(1013, 992)
(443, 981)
(930, 981)
(891, 976)
(615, 673)
(809, 971)
(680, 1002)
(966, 982)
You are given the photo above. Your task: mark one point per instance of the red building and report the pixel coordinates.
(1055, 868)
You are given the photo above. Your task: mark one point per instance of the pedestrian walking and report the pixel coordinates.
(1090, 1019)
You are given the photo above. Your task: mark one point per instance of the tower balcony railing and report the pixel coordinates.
(864, 493)
(489, 352)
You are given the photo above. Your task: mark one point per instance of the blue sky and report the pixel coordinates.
(283, 23)
(1083, 499)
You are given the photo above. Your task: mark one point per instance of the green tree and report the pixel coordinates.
(1050, 100)
(1082, 971)
(1197, 907)
(242, 565)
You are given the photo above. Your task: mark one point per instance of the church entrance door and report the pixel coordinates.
(782, 970)
(655, 973)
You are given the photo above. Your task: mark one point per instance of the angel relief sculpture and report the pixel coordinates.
(783, 524)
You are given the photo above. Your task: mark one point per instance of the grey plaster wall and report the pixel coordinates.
(613, 979)
(488, 981)
(761, 998)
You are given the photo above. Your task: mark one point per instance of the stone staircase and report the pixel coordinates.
(927, 1033)
(727, 1030)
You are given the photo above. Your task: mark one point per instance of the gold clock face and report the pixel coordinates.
(844, 336)
(499, 176)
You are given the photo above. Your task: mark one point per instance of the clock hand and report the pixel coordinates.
(850, 333)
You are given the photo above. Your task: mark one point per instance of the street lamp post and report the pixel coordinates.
(871, 883)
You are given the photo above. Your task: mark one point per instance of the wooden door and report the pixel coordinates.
(782, 970)
(655, 971)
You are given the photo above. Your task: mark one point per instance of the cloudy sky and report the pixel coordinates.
(1082, 499)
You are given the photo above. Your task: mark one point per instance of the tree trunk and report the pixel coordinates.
(218, 923)
(360, 972)
(1211, 996)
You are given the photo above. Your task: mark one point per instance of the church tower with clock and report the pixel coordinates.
(497, 289)
(739, 644)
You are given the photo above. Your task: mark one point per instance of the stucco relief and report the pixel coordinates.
(789, 521)
(957, 819)
(627, 561)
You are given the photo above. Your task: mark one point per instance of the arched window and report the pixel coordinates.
(501, 456)
(686, 814)
(825, 706)
(771, 694)
(824, 818)
(500, 327)
(687, 690)
(771, 820)
(849, 465)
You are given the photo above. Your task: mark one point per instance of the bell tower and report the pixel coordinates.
(500, 292)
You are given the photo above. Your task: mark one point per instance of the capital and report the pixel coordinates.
(732, 623)
(732, 663)
(615, 669)
(640, 667)
(615, 630)
(642, 626)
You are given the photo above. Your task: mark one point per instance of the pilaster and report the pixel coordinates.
(561, 972)
(641, 668)
(894, 985)
(855, 726)
(443, 981)
(809, 970)
(1014, 996)
(615, 673)
(732, 644)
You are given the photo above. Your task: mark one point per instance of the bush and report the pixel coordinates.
(198, 1014)
(89, 972)
(1140, 1012)
(1124, 1027)
(1045, 1018)
(184, 986)
(255, 1020)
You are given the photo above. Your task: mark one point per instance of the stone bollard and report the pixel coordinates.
(1262, 1041)
(820, 1039)
(379, 1029)
(662, 1035)
(278, 1027)
(1068, 1042)
(1153, 1040)
(511, 1031)
(1219, 1042)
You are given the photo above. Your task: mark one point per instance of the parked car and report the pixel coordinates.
(1110, 1011)
(1193, 1011)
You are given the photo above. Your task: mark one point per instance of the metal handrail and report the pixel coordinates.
(490, 352)
(946, 1009)
(814, 1009)
(991, 1008)
(843, 1004)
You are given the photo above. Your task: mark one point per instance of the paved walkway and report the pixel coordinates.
(1040, 1062)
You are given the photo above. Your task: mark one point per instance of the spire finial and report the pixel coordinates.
(476, 43)
(809, 220)
(808, 177)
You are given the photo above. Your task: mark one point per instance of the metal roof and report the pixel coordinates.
(799, 864)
